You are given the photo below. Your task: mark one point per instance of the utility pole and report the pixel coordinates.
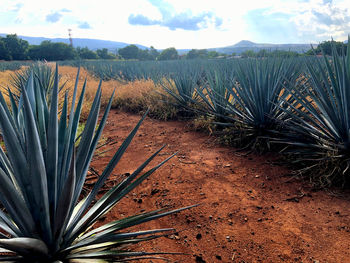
(70, 37)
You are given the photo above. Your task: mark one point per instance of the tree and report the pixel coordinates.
(213, 54)
(85, 53)
(153, 53)
(168, 54)
(144, 55)
(248, 54)
(325, 48)
(52, 51)
(4, 52)
(17, 48)
(284, 53)
(197, 53)
(129, 52)
(104, 54)
(262, 53)
(192, 54)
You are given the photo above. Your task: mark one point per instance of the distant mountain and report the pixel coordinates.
(92, 44)
(245, 45)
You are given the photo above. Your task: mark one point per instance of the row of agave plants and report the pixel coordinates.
(297, 106)
(13, 65)
(301, 107)
(43, 166)
(125, 71)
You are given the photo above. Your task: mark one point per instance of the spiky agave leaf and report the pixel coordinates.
(182, 84)
(214, 94)
(42, 174)
(43, 74)
(320, 129)
(259, 88)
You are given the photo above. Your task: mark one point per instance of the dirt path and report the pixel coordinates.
(250, 210)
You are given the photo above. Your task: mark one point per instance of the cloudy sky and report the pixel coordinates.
(180, 23)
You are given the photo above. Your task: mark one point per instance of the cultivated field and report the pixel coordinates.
(262, 146)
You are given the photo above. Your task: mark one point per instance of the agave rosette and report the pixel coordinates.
(183, 84)
(215, 94)
(319, 136)
(258, 92)
(42, 174)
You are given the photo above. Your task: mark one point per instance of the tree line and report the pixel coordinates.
(14, 48)
(324, 48)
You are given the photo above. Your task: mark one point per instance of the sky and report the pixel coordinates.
(180, 23)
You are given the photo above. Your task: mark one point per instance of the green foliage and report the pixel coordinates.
(201, 54)
(248, 54)
(326, 48)
(104, 54)
(144, 55)
(283, 54)
(276, 53)
(13, 48)
(85, 53)
(153, 53)
(133, 52)
(129, 52)
(4, 52)
(42, 174)
(269, 53)
(197, 53)
(214, 54)
(168, 54)
(50, 51)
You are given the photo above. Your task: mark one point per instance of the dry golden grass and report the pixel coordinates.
(134, 97)
(5, 77)
(68, 76)
(141, 95)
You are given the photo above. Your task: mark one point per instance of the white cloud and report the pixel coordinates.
(301, 20)
(318, 21)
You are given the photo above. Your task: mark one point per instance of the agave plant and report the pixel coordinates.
(183, 84)
(215, 93)
(42, 172)
(13, 65)
(319, 136)
(43, 74)
(258, 91)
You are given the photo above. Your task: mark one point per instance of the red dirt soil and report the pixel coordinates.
(250, 210)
